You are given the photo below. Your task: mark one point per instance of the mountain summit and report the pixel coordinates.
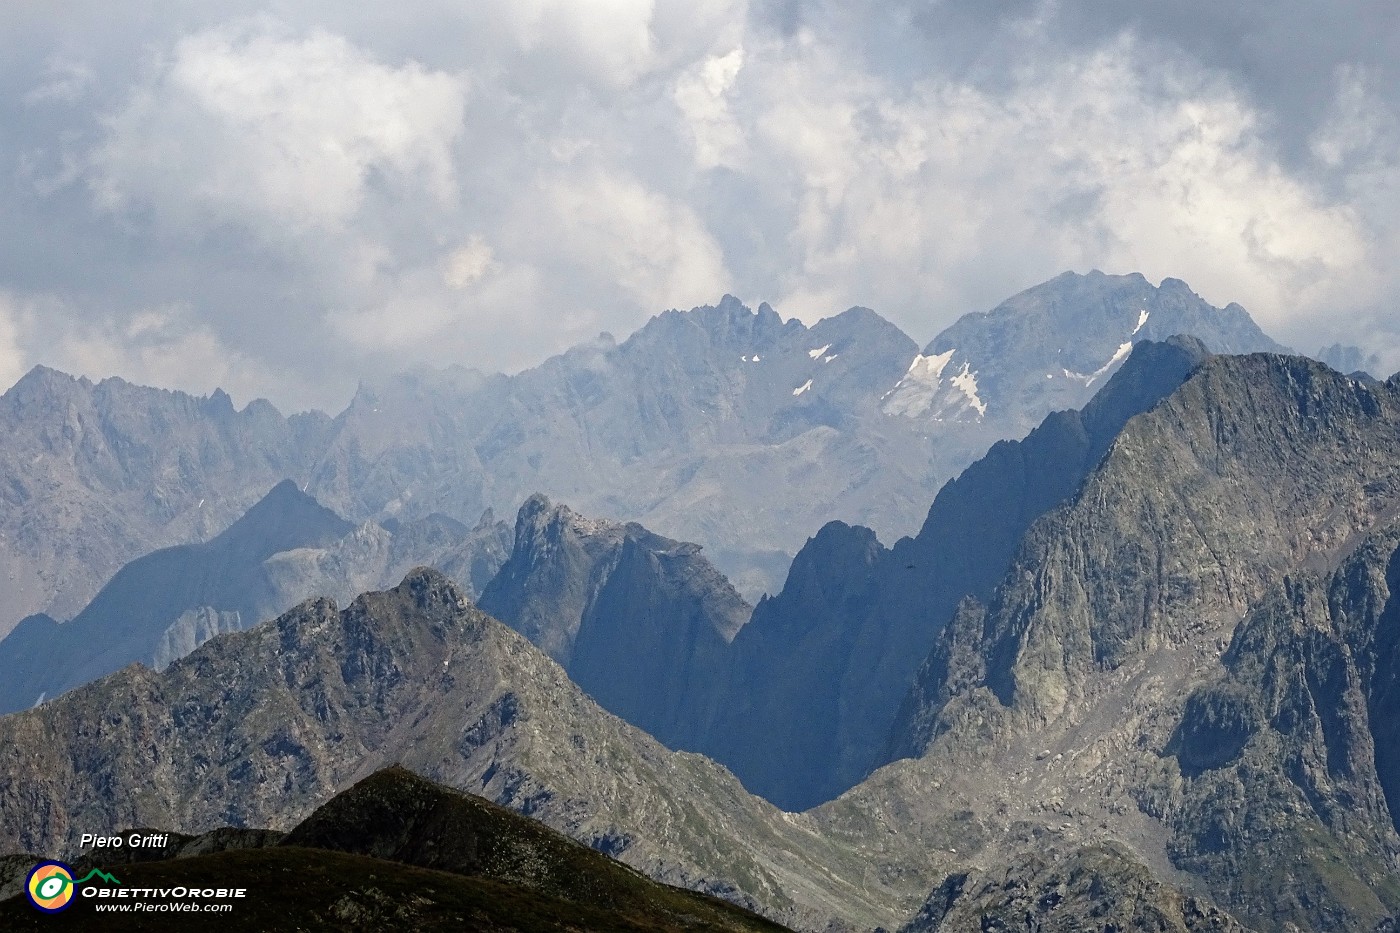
(1052, 346)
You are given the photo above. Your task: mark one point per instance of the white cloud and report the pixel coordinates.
(702, 96)
(615, 231)
(948, 195)
(468, 263)
(166, 347)
(63, 82)
(284, 134)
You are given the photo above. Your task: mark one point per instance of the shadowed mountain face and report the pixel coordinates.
(720, 425)
(396, 850)
(164, 605)
(641, 622)
(180, 593)
(821, 670)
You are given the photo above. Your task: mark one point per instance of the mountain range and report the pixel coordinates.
(724, 426)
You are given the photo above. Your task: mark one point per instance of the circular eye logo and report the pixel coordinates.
(50, 887)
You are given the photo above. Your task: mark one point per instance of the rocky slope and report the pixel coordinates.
(258, 728)
(813, 684)
(735, 429)
(1282, 783)
(722, 425)
(799, 704)
(1093, 888)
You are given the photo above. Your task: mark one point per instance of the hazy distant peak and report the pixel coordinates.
(43, 382)
(1349, 359)
(288, 512)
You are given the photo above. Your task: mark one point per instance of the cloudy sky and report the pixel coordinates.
(281, 197)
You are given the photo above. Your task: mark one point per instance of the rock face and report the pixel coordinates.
(1094, 888)
(800, 702)
(1259, 465)
(721, 424)
(1294, 748)
(1089, 691)
(162, 606)
(259, 728)
(740, 431)
(639, 621)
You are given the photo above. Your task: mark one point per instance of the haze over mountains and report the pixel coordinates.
(722, 426)
(285, 549)
(1136, 669)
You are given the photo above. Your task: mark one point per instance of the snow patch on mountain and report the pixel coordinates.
(818, 351)
(1142, 319)
(966, 383)
(802, 388)
(924, 392)
(1119, 356)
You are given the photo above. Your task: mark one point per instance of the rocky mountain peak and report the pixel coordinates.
(835, 544)
(638, 620)
(432, 593)
(42, 380)
(729, 326)
(1256, 466)
(285, 518)
(1051, 346)
(541, 525)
